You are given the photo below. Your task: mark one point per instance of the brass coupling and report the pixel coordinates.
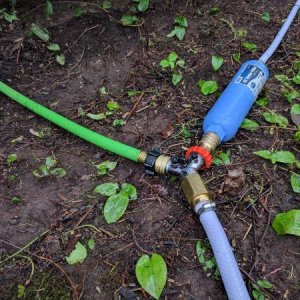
(195, 189)
(161, 162)
(209, 141)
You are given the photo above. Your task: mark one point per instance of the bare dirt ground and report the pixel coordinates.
(101, 52)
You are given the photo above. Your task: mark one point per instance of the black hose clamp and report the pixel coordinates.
(150, 161)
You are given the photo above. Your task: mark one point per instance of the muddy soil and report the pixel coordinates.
(54, 213)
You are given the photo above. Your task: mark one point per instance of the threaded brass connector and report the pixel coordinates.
(161, 164)
(142, 157)
(195, 189)
(209, 141)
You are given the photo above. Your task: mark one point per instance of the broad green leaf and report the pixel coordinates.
(112, 105)
(297, 136)
(250, 46)
(48, 10)
(106, 189)
(291, 94)
(287, 223)
(236, 57)
(208, 87)
(264, 284)
(53, 47)
(50, 162)
(249, 125)
(61, 59)
(97, 117)
(129, 20)
(10, 17)
(275, 118)
(41, 33)
(264, 154)
(263, 101)
(106, 5)
(91, 244)
(222, 158)
(181, 21)
(172, 57)
(179, 32)
(129, 190)
(176, 78)
(295, 113)
(266, 17)
(258, 294)
(151, 274)
(78, 255)
(118, 122)
(164, 63)
(172, 33)
(115, 207)
(296, 78)
(106, 165)
(285, 157)
(58, 172)
(11, 158)
(216, 62)
(295, 182)
(143, 5)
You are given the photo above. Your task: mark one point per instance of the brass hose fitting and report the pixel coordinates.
(142, 157)
(195, 189)
(161, 164)
(209, 141)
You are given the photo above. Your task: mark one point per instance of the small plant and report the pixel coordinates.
(257, 291)
(151, 273)
(49, 168)
(48, 9)
(16, 200)
(208, 87)
(216, 62)
(118, 200)
(250, 46)
(287, 223)
(171, 62)
(263, 101)
(11, 158)
(78, 255)
(180, 27)
(207, 261)
(266, 17)
(236, 57)
(105, 166)
(9, 17)
(222, 158)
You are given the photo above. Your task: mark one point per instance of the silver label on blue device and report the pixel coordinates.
(254, 78)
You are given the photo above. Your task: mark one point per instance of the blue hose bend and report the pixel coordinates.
(231, 276)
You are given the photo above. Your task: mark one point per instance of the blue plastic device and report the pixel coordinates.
(229, 111)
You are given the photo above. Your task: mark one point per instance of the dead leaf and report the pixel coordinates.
(233, 181)
(168, 131)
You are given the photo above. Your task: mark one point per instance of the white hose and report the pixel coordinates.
(231, 276)
(272, 48)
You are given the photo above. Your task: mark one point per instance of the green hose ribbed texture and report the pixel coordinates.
(84, 133)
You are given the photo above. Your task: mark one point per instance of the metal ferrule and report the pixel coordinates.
(161, 163)
(195, 189)
(209, 141)
(142, 157)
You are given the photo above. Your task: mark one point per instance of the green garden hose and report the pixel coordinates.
(84, 133)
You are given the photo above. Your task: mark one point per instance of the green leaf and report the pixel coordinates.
(115, 207)
(214, 10)
(296, 78)
(106, 189)
(208, 87)
(180, 63)
(61, 59)
(106, 5)
(128, 20)
(118, 122)
(297, 136)
(11, 158)
(179, 32)
(172, 33)
(97, 117)
(266, 17)
(287, 223)
(48, 10)
(21, 291)
(223, 158)
(50, 162)
(249, 125)
(291, 94)
(91, 244)
(78, 11)
(112, 105)
(236, 57)
(10, 17)
(258, 294)
(263, 101)
(216, 62)
(283, 79)
(264, 154)
(250, 46)
(176, 78)
(264, 284)
(172, 57)
(41, 33)
(285, 157)
(143, 5)
(275, 118)
(129, 190)
(78, 255)
(106, 165)
(102, 91)
(53, 47)
(151, 274)
(181, 21)
(41, 171)
(295, 113)
(58, 172)
(164, 63)
(295, 182)
(16, 200)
